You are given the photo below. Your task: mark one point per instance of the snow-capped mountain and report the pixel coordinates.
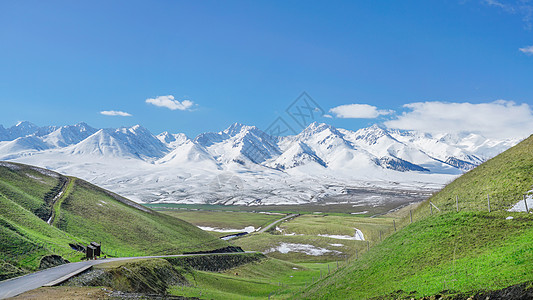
(134, 142)
(67, 135)
(270, 170)
(172, 140)
(239, 144)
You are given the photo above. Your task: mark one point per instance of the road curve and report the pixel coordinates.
(15, 286)
(276, 222)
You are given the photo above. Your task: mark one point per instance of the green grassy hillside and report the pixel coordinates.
(504, 178)
(83, 213)
(464, 251)
(455, 252)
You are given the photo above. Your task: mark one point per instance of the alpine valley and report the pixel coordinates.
(242, 165)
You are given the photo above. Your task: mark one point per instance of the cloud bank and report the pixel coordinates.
(498, 119)
(115, 113)
(358, 111)
(170, 103)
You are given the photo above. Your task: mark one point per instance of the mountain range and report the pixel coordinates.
(320, 154)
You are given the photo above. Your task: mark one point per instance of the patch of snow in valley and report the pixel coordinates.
(358, 236)
(285, 248)
(245, 229)
(337, 245)
(359, 212)
(520, 206)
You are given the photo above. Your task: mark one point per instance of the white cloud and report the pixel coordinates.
(170, 103)
(115, 113)
(496, 3)
(498, 119)
(527, 50)
(358, 111)
(524, 8)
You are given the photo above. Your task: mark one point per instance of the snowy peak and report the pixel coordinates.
(172, 140)
(297, 155)
(319, 144)
(189, 152)
(237, 128)
(133, 142)
(372, 134)
(21, 129)
(240, 144)
(69, 135)
(316, 128)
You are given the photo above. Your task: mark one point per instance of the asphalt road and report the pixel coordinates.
(22, 284)
(277, 221)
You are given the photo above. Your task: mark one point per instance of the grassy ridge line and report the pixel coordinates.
(504, 178)
(466, 251)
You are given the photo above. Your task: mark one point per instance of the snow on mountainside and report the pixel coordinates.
(263, 169)
(68, 135)
(136, 142)
(188, 152)
(172, 140)
(239, 144)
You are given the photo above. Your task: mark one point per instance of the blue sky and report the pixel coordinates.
(425, 65)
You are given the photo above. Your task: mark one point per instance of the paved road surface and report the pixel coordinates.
(19, 285)
(276, 222)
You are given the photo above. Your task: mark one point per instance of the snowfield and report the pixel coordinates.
(520, 206)
(358, 236)
(285, 248)
(247, 229)
(242, 165)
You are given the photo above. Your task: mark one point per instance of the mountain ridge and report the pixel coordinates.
(239, 143)
(174, 167)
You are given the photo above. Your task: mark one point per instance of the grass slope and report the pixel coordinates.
(84, 213)
(462, 251)
(505, 178)
(93, 213)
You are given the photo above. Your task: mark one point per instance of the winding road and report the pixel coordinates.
(56, 275)
(276, 222)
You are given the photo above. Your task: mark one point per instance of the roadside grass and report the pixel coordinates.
(458, 252)
(270, 277)
(66, 293)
